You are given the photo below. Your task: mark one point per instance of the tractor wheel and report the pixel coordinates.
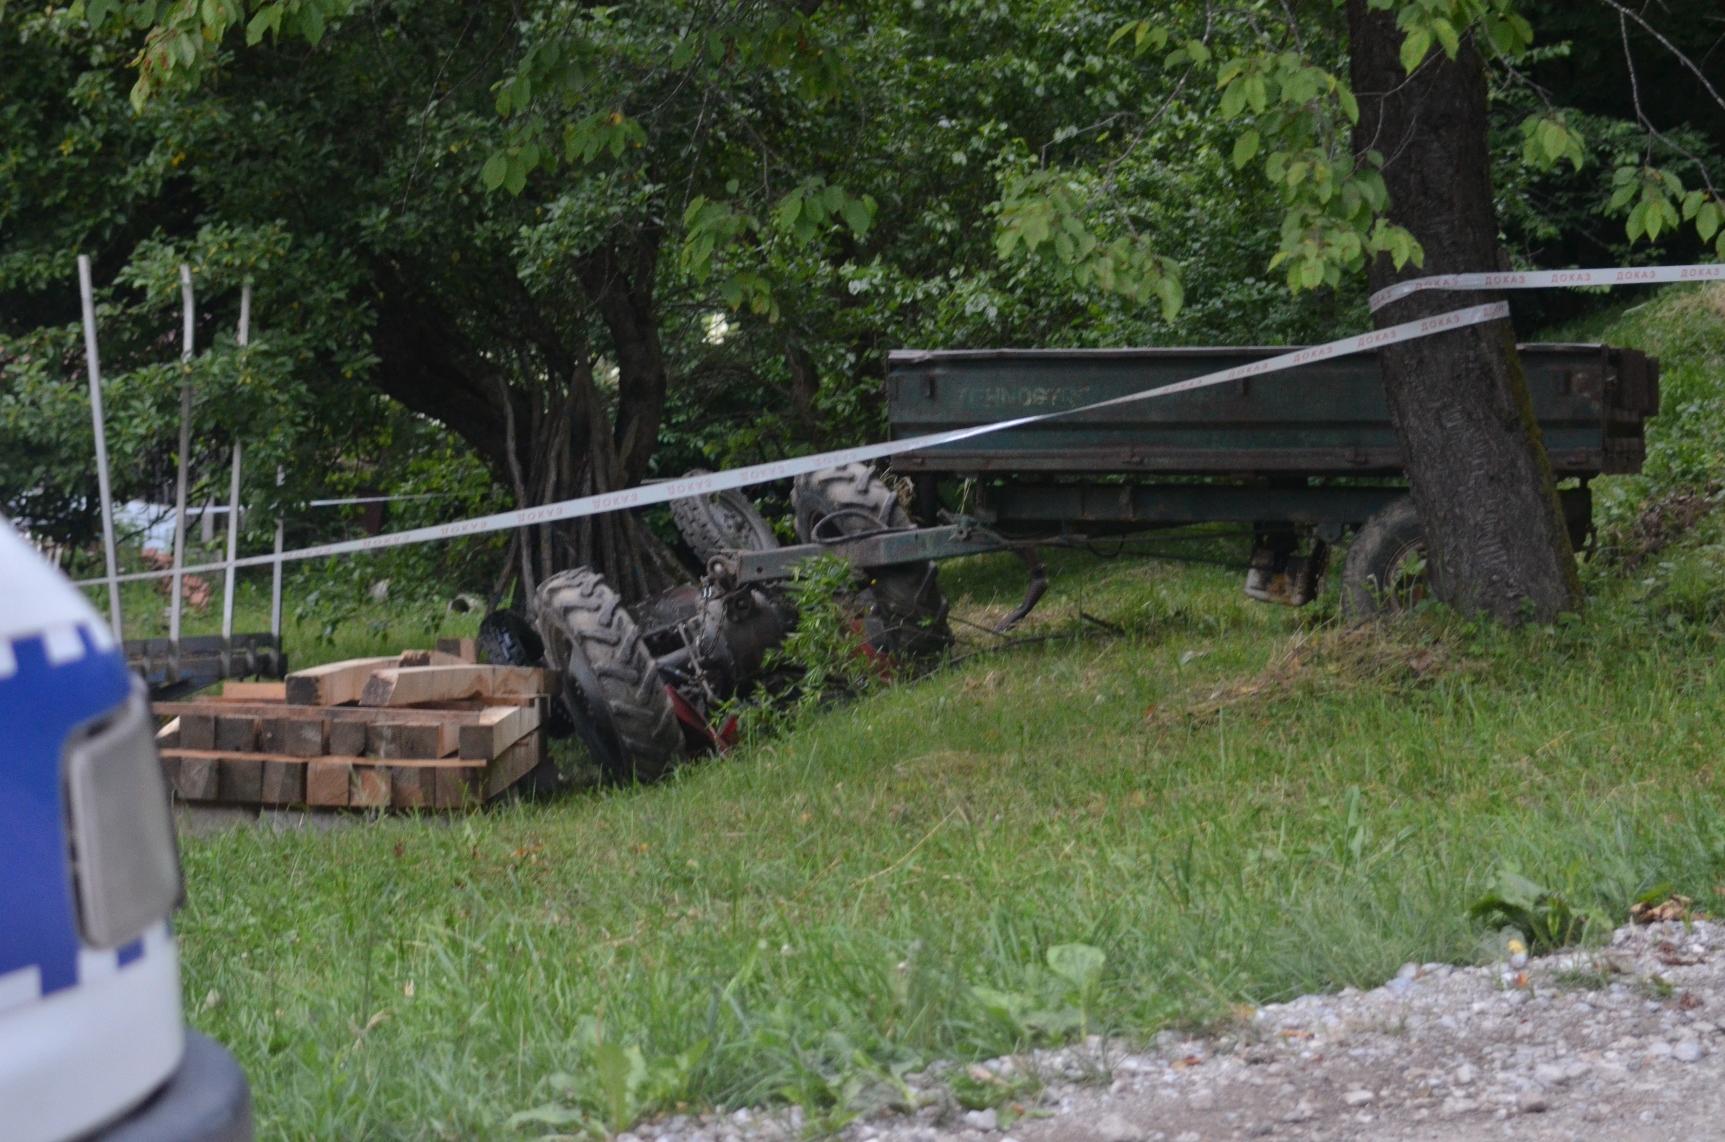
(906, 612)
(609, 680)
(1386, 571)
(718, 522)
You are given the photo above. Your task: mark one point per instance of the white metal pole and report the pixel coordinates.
(185, 452)
(234, 485)
(276, 580)
(87, 294)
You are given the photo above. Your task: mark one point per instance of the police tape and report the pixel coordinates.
(707, 483)
(1549, 279)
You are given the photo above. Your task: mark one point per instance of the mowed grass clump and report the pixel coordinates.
(1229, 803)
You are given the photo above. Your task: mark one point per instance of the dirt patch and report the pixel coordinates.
(1316, 663)
(1666, 520)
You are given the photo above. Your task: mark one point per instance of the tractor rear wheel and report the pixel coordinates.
(622, 710)
(717, 522)
(906, 612)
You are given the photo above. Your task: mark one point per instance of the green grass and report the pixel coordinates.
(1233, 803)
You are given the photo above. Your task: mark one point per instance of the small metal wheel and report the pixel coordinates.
(721, 521)
(622, 710)
(905, 611)
(1386, 571)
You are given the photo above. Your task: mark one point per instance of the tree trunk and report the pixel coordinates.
(547, 441)
(1459, 402)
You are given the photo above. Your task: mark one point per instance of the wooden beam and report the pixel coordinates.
(254, 692)
(334, 684)
(225, 758)
(327, 781)
(369, 787)
(513, 764)
(462, 649)
(332, 714)
(410, 685)
(197, 728)
(284, 783)
(499, 728)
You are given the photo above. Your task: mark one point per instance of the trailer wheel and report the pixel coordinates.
(507, 639)
(1386, 571)
(903, 604)
(718, 522)
(609, 680)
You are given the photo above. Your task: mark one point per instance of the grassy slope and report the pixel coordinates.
(1232, 802)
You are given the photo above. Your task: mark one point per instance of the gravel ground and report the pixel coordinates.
(1623, 1042)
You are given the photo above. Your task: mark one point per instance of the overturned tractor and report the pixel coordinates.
(645, 686)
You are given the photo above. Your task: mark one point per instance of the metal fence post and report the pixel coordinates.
(87, 295)
(185, 454)
(234, 486)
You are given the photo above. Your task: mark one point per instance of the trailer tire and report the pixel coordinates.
(904, 609)
(624, 716)
(1386, 571)
(718, 522)
(506, 638)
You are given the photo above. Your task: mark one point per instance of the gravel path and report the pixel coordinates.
(1625, 1042)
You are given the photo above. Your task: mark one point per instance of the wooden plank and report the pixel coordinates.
(195, 778)
(254, 692)
(347, 737)
(236, 733)
(300, 737)
(467, 715)
(412, 787)
(409, 685)
(242, 780)
(284, 783)
(197, 729)
(404, 739)
(500, 728)
(333, 684)
(218, 756)
(327, 781)
(454, 788)
(513, 764)
(461, 649)
(369, 787)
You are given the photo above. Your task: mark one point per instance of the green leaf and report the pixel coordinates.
(259, 24)
(1414, 49)
(496, 167)
(311, 21)
(1637, 224)
(516, 176)
(1447, 37)
(1233, 99)
(1311, 273)
(1078, 964)
(1707, 221)
(857, 216)
(1245, 147)
(1350, 105)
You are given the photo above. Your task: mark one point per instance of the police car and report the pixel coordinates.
(91, 1041)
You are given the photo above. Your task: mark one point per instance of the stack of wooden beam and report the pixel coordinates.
(422, 730)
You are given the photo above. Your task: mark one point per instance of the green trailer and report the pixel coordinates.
(1301, 456)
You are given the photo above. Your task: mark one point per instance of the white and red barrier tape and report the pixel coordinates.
(707, 483)
(710, 482)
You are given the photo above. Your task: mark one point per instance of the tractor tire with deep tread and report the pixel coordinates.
(1379, 576)
(579, 608)
(906, 611)
(719, 522)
